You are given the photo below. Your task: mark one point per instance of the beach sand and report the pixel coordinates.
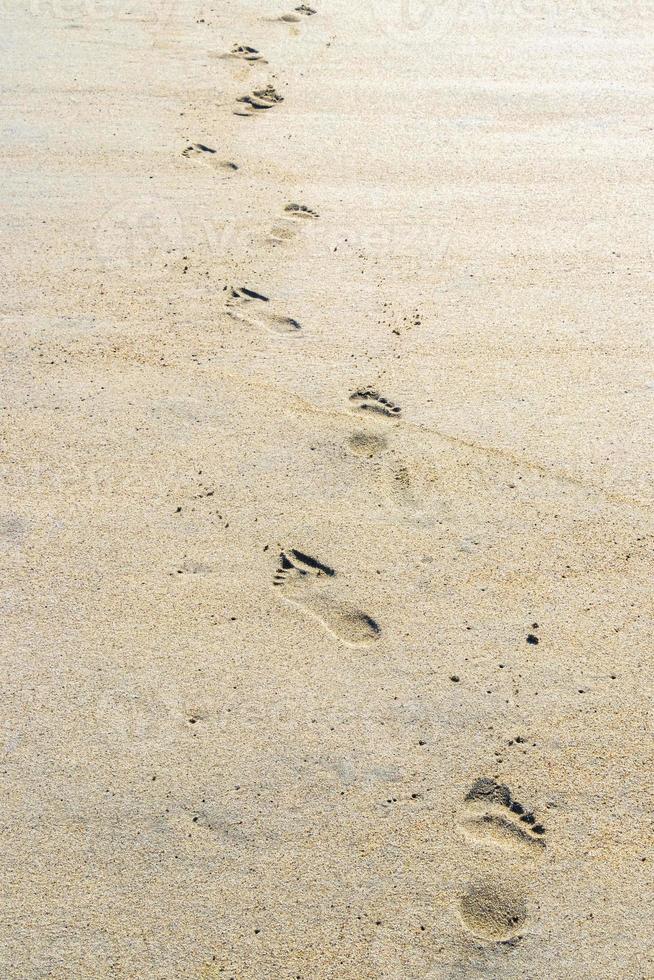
(327, 522)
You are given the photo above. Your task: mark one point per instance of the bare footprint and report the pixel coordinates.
(369, 400)
(493, 908)
(257, 101)
(492, 817)
(493, 911)
(305, 581)
(403, 483)
(244, 52)
(296, 15)
(254, 309)
(288, 226)
(300, 211)
(198, 151)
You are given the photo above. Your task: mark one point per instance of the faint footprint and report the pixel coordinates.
(13, 530)
(253, 308)
(366, 444)
(305, 581)
(399, 486)
(260, 99)
(403, 484)
(392, 473)
(289, 224)
(369, 400)
(298, 13)
(198, 151)
(493, 911)
(491, 816)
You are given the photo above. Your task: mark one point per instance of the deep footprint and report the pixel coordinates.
(492, 816)
(251, 307)
(493, 911)
(257, 101)
(369, 400)
(304, 581)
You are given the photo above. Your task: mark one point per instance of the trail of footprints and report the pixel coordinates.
(494, 908)
(256, 101)
(305, 581)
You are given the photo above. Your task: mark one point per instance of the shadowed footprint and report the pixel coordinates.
(492, 911)
(253, 308)
(369, 400)
(305, 581)
(491, 816)
(300, 211)
(493, 908)
(257, 101)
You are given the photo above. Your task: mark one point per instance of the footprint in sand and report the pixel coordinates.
(257, 101)
(400, 486)
(296, 15)
(244, 52)
(492, 817)
(291, 222)
(393, 473)
(295, 211)
(256, 310)
(198, 151)
(399, 481)
(494, 908)
(369, 400)
(308, 583)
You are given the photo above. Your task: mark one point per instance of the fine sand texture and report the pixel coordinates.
(327, 512)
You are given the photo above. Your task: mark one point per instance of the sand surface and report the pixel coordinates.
(326, 527)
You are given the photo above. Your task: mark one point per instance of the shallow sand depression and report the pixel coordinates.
(326, 526)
